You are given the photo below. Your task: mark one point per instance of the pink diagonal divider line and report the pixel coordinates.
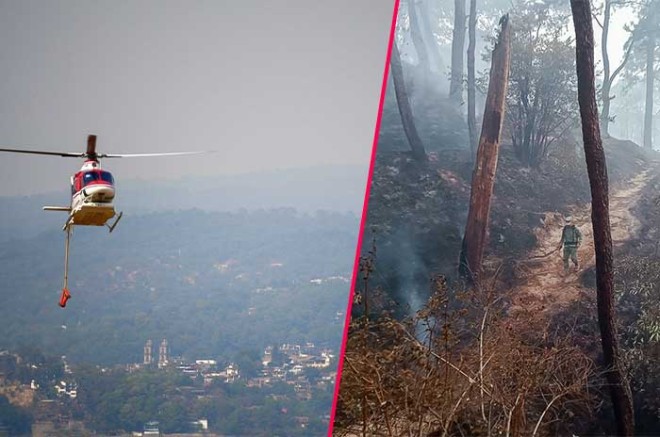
(365, 204)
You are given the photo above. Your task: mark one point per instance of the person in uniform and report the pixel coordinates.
(571, 238)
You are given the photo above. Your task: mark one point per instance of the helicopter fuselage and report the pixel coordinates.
(92, 196)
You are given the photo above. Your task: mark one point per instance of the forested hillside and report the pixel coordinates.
(214, 284)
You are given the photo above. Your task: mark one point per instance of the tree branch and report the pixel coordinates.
(595, 17)
(631, 43)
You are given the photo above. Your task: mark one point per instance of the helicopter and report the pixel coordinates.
(92, 195)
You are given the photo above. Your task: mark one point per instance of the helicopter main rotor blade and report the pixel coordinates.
(146, 155)
(43, 152)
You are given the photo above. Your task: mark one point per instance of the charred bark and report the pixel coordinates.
(483, 178)
(471, 80)
(457, 47)
(600, 217)
(405, 110)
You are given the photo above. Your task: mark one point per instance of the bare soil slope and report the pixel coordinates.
(543, 286)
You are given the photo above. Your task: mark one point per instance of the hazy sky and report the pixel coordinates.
(265, 84)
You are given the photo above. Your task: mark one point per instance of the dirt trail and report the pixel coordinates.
(544, 287)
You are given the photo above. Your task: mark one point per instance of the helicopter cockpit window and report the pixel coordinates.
(90, 177)
(107, 177)
(95, 176)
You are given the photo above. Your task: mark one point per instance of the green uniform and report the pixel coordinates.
(571, 238)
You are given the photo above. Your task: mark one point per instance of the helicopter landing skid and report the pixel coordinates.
(112, 227)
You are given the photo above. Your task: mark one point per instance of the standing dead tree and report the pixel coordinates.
(404, 107)
(483, 178)
(600, 217)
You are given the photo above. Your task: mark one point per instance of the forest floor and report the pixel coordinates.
(543, 288)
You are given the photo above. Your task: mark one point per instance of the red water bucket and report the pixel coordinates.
(65, 296)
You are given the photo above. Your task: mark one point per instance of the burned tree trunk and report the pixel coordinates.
(483, 178)
(471, 80)
(600, 217)
(404, 107)
(457, 47)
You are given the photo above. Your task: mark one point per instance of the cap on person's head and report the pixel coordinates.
(568, 219)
